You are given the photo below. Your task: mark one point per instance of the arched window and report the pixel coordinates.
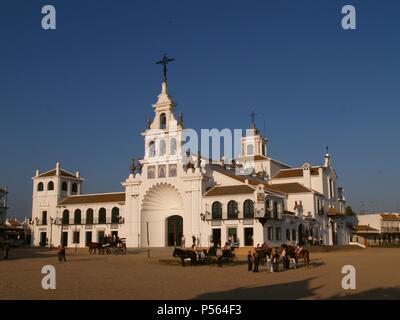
(232, 210)
(115, 215)
(163, 121)
(102, 216)
(65, 217)
(64, 186)
(50, 186)
(275, 210)
(250, 150)
(216, 211)
(163, 148)
(40, 186)
(74, 188)
(89, 216)
(173, 146)
(152, 149)
(77, 217)
(248, 209)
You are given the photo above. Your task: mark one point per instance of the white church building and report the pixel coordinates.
(252, 198)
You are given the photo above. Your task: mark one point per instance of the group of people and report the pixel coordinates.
(108, 238)
(273, 258)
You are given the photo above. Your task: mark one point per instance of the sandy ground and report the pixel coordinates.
(134, 276)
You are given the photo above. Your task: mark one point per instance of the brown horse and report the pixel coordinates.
(185, 254)
(93, 246)
(291, 253)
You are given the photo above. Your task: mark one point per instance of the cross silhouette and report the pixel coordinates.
(164, 61)
(253, 118)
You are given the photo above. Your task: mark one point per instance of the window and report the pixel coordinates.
(250, 150)
(270, 233)
(76, 237)
(248, 209)
(278, 233)
(172, 170)
(163, 148)
(173, 146)
(232, 210)
(65, 217)
(288, 234)
(331, 188)
(77, 217)
(275, 210)
(152, 149)
(161, 171)
(50, 186)
(115, 215)
(40, 186)
(102, 216)
(293, 234)
(267, 208)
(163, 121)
(216, 210)
(151, 172)
(44, 217)
(64, 186)
(89, 216)
(74, 188)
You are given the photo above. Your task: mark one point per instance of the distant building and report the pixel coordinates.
(3, 204)
(377, 229)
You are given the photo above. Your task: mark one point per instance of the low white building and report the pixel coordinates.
(377, 229)
(253, 199)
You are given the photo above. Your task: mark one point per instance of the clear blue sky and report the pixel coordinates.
(80, 94)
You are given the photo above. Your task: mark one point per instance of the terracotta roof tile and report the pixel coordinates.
(364, 228)
(296, 172)
(390, 216)
(94, 198)
(229, 190)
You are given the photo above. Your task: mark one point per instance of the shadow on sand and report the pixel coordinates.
(291, 290)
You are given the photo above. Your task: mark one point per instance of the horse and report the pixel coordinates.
(93, 246)
(263, 254)
(185, 254)
(291, 253)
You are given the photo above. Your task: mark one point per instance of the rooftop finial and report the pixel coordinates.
(253, 119)
(164, 61)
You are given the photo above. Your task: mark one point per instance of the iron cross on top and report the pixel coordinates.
(164, 61)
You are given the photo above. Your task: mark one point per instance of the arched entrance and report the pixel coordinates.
(174, 231)
(162, 213)
(301, 234)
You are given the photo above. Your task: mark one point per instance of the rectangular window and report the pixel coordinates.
(44, 217)
(172, 170)
(161, 171)
(151, 172)
(331, 188)
(293, 235)
(278, 233)
(288, 234)
(76, 237)
(270, 233)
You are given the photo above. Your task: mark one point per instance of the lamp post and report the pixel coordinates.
(51, 230)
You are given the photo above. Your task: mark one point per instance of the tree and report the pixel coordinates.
(350, 211)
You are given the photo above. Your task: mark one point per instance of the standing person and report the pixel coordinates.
(61, 254)
(219, 254)
(256, 261)
(183, 241)
(249, 262)
(193, 240)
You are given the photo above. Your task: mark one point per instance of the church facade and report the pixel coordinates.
(172, 193)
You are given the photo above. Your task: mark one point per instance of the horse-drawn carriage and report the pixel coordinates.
(204, 256)
(117, 246)
(109, 246)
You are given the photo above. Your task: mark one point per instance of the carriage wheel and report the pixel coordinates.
(115, 250)
(122, 250)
